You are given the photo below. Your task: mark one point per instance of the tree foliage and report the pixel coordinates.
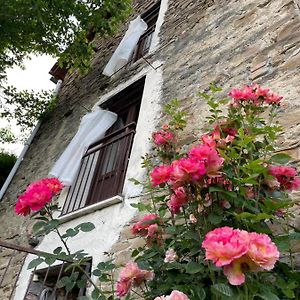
(57, 27)
(7, 161)
(61, 28)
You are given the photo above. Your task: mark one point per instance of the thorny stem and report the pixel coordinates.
(57, 230)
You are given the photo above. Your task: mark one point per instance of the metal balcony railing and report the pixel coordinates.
(102, 171)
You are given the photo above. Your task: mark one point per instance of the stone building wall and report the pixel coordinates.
(227, 42)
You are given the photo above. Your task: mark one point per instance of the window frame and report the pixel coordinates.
(130, 97)
(144, 43)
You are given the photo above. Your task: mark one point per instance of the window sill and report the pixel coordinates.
(89, 209)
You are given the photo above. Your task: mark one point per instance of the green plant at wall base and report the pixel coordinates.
(208, 226)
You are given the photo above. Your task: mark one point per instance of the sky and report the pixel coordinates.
(35, 77)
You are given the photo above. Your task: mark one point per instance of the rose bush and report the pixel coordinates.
(208, 223)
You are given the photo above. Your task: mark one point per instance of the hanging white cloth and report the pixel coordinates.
(92, 128)
(123, 53)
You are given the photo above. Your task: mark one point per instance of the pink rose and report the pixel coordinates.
(160, 174)
(178, 199)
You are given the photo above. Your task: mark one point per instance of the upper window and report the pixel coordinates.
(143, 46)
(103, 167)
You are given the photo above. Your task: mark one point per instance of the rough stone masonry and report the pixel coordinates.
(222, 41)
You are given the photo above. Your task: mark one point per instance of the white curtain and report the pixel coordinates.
(92, 128)
(126, 48)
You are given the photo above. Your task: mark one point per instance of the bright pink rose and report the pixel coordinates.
(143, 226)
(262, 250)
(53, 184)
(273, 98)
(254, 95)
(160, 174)
(22, 207)
(186, 170)
(224, 245)
(210, 156)
(286, 176)
(178, 199)
(209, 140)
(38, 197)
(163, 137)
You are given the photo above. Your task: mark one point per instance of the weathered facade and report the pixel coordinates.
(195, 43)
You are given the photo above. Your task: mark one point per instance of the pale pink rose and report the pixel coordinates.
(160, 298)
(177, 295)
(132, 272)
(171, 256)
(272, 183)
(235, 271)
(152, 230)
(123, 287)
(178, 199)
(160, 174)
(224, 245)
(262, 250)
(193, 219)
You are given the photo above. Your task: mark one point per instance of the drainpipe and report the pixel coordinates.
(26, 146)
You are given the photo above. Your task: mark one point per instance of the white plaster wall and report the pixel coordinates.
(110, 220)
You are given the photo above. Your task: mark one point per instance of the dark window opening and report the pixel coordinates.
(104, 165)
(143, 46)
(45, 283)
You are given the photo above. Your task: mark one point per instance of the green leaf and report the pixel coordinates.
(50, 260)
(86, 227)
(280, 158)
(36, 262)
(267, 295)
(222, 289)
(215, 219)
(57, 250)
(38, 226)
(193, 267)
(95, 294)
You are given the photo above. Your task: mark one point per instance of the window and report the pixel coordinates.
(150, 17)
(44, 283)
(103, 167)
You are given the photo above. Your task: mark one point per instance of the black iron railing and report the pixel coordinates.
(43, 283)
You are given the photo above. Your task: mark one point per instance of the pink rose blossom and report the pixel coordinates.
(286, 176)
(239, 251)
(254, 95)
(131, 275)
(186, 170)
(160, 174)
(171, 256)
(37, 195)
(178, 199)
(192, 219)
(210, 156)
(53, 184)
(175, 295)
(262, 250)
(123, 287)
(225, 244)
(163, 137)
(147, 226)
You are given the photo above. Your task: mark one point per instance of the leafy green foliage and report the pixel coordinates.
(7, 162)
